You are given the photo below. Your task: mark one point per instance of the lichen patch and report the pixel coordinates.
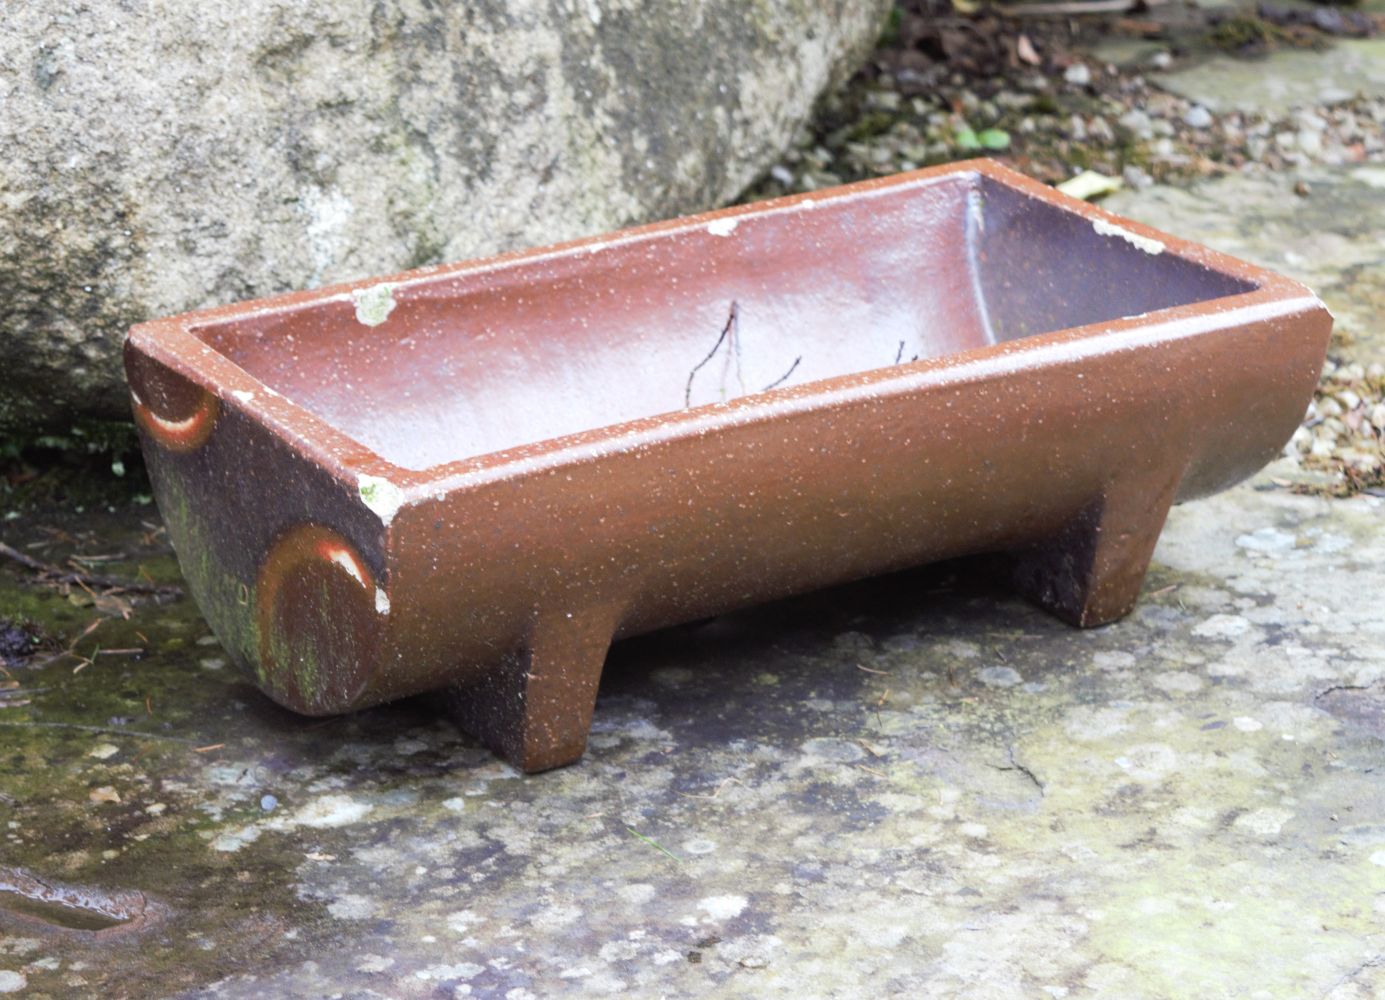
(723, 907)
(381, 496)
(325, 812)
(374, 304)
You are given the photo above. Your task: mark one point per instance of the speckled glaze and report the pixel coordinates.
(472, 478)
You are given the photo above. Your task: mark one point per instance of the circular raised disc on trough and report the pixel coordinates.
(174, 411)
(318, 621)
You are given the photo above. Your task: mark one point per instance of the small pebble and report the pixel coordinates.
(1197, 117)
(1138, 122)
(1136, 178)
(268, 803)
(1078, 74)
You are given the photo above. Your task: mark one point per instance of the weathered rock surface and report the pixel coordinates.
(162, 157)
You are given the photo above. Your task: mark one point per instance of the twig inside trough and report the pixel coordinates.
(49, 573)
(721, 339)
(899, 353)
(785, 377)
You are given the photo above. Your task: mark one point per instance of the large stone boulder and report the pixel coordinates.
(158, 157)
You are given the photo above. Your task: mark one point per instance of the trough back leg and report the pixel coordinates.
(534, 708)
(1091, 572)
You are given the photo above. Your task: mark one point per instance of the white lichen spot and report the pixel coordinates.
(831, 750)
(12, 982)
(381, 496)
(1001, 677)
(330, 811)
(233, 840)
(242, 395)
(382, 601)
(103, 751)
(329, 215)
(1270, 541)
(1378, 858)
(557, 917)
(463, 921)
(637, 893)
(1178, 682)
(1145, 243)
(723, 227)
(1113, 659)
(1246, 724)
(374, 304)
(1222, 627)
(723, 907)
(1148, 762)
(1263, 822)
(351, 907)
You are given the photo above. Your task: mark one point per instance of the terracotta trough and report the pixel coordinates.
(472, 478)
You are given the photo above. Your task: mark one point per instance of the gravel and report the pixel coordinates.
(1062, 122)
(1343, 434)
(1197, 117)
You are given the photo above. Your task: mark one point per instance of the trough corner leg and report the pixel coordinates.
(534, 708)
(1091, 572)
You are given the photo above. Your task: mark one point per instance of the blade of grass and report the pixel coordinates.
(653, 843)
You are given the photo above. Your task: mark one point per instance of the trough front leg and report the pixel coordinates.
(534, 708)
(1091, 572)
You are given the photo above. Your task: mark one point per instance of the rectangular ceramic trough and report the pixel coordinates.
(472, 478)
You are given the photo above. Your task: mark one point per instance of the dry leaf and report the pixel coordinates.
(104, 794)
(1024, 49)
(1089, 185)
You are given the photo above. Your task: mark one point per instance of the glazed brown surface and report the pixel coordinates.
(636, 327)
(474, 477)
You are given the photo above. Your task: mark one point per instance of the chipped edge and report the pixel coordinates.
(382, 497)
(1148, 244)
(723, 227)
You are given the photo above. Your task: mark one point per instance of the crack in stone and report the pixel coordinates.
(1341, 687)
(1370, 963)
(1015, 765)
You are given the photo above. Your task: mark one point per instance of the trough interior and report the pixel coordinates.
(527, 351)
